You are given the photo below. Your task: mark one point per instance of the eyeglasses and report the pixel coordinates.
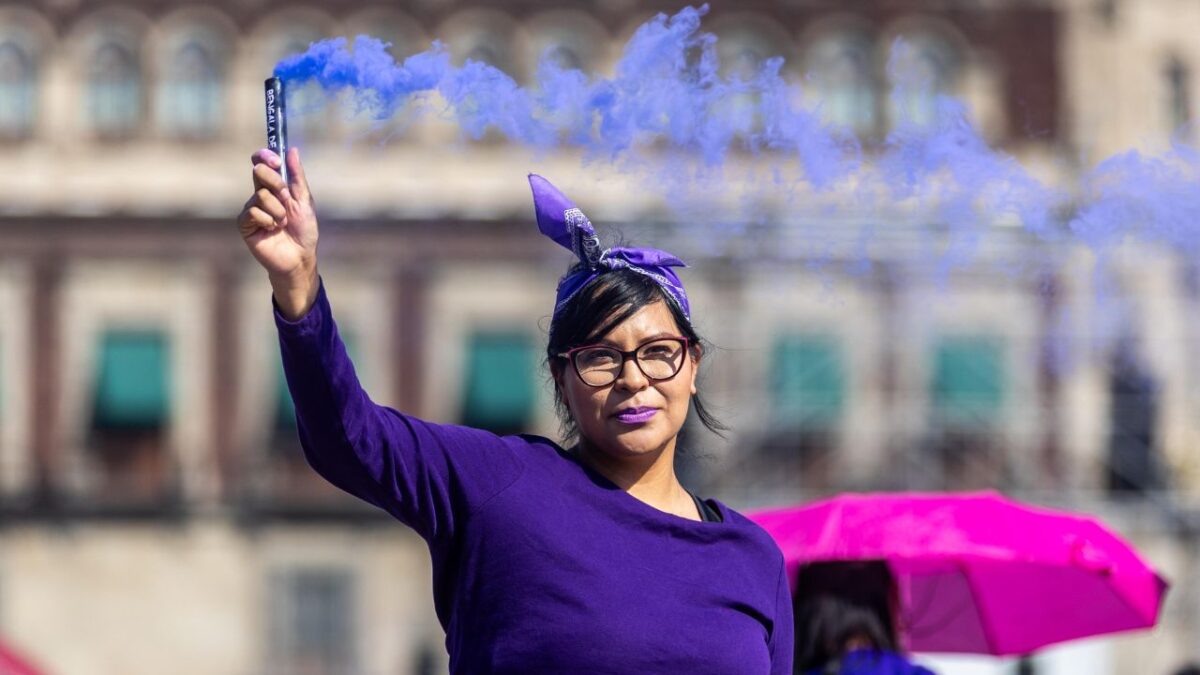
(599, 366)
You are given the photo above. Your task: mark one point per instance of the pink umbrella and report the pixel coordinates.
(11, 664)
(979, 573)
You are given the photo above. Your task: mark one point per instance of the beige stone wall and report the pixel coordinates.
(16, 460)
(105, 599)
(1116, 93)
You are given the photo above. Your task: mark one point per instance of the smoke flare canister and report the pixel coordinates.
(277, 122)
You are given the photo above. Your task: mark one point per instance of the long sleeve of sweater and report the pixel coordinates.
(429, 476)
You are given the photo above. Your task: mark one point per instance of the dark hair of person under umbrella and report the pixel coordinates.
(841, 606)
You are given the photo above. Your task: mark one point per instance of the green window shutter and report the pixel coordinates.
(808, 383)
(132, 380)
(499, 388)
(968, 379)
(285, 408)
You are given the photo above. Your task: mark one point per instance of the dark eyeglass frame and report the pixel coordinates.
(569, 355)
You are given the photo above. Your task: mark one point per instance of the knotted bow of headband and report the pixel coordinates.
(560, 220)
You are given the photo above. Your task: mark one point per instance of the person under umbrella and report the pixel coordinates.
(979, 573)
(845, 614)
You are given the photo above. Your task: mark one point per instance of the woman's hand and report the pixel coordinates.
(279, 226)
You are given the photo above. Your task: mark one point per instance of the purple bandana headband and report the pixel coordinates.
(559, 219)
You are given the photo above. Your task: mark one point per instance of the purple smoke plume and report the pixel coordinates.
(666, 86)
(667, 90)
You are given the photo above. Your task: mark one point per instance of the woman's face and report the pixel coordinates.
(603, 413)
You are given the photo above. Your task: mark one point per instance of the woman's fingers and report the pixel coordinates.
(267, 201)
(268, 178)
(255, 218)
(266, 175)
(297, 182)
(265, 156)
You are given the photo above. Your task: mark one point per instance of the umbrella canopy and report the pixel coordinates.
(979, 573)
(11, 664)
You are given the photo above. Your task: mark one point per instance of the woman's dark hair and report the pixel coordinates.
(839, 602)
(599, 307)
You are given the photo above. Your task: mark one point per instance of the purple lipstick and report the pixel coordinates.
(636, 415)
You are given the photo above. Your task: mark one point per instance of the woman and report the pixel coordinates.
(845, 625)
(587, 559)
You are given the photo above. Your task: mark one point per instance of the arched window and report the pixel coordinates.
(921, 68)
(487, 49)
(191, 92)
(564, 57)
(566, 38)
(843, 83)
(114, 91)
(744, 44)
(487, 37)
(18, 88)
(744, 63)
(484, 37)
(741, 63)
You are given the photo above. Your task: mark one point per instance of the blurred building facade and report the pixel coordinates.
(155, 512)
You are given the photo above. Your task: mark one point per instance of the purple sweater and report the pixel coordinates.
(541, 565)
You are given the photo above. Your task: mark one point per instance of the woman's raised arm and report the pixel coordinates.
(429, 476)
